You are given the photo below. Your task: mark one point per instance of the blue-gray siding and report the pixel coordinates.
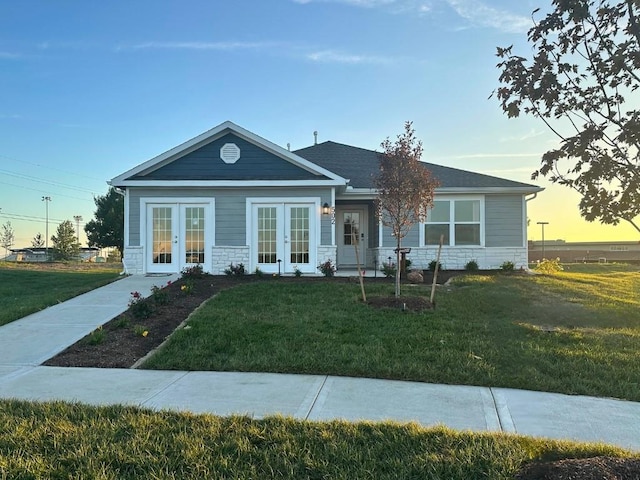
(504, 221)
(230, 209)
(204, 163)
(412, 239)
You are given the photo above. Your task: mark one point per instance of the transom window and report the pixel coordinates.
(458, 221)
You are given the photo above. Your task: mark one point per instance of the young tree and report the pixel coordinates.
(7, 237)
(405, 188)
(584, 69)
(37, 241)
(107, 230)
(65, 243)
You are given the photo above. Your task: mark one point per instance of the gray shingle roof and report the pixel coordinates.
(360, 165)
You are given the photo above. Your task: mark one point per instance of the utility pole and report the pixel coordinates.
(46, 201)
(542, 224)
(78, 219)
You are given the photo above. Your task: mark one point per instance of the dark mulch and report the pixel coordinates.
(122, 343)
(596, 468)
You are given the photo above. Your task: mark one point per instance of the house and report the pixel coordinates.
(229, 196)
(39, 254)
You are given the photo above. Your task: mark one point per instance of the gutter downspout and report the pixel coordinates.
(527, 200)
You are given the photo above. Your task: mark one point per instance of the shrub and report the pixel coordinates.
(140, 331)
(471, 266)
(432, 266)
(160, 295)
(388, 269)
(508, 266)
(258, 272)
(327, 268)
(139, 306)
(235, 269)
(297, 272)
(194, 271)
(549, 266)
(97, 336)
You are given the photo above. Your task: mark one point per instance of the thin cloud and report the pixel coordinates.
(521, 138)
(481, 15)
(394, 6)
(9, 56)
(490, 155)
(331, 56)
(218, 46)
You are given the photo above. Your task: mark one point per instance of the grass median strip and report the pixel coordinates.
(573, 333)
(61, 440)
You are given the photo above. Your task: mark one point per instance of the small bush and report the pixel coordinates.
(388, 270)
(327, 268)
(160, 295)
(97, 336)
(471, 266)
(140, 331)
(235, 269)
(257, 272)
(549, 266)
(139, 306)
(432, 266)
(195, 271)
(508, 266)
(297, 272)
(187, 288)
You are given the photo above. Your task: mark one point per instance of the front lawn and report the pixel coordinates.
(575, 333)
(60, 440)
(27, 288)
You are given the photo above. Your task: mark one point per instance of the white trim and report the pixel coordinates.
(333, 212)
(210, 136)
(250, 202)
(127, 240)
(452, 222)
(524, 224)
(229, 183)
(210, 239)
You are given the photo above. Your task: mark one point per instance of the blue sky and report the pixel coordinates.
(90, 89)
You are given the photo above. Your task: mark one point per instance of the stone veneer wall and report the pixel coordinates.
(222, 257)
(327, 252)
(133, 260)
(457, 258)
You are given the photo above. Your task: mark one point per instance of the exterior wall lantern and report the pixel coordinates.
(326, 209)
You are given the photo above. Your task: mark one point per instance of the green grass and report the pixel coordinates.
(574, 333)
(60, 440)
(25, 288)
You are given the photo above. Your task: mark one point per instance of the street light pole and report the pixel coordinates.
(46, 201)
(78, 219)
(542, 224)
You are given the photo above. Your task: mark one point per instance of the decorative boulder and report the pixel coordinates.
(415, 277)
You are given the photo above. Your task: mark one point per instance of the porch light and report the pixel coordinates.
(326, 209)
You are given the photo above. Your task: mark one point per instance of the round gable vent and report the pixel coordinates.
(230, 153)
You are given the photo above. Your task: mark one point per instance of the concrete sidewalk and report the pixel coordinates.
(28, 342)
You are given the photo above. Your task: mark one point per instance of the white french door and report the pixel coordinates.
(283, 237)
(177, 237)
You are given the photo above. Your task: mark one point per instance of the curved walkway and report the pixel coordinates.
(26, 343)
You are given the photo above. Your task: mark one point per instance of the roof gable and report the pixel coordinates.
(361, 165)
(206, 159)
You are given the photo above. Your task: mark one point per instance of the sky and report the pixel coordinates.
(89, 90)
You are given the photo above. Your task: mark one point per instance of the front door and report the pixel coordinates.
(283, 237)
(176, 237)
(351, 231)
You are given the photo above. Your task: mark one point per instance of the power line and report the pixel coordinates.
(46, 192)
(48, 182)
(50, 168)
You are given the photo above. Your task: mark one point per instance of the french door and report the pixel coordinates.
(283, 237)
(177, 237)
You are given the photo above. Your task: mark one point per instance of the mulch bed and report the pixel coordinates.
(596, 468)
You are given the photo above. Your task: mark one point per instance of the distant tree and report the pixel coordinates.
(38, 241)
(582, 81)
(107, 230)
(65, 242)
(7, 237)
(405, 188)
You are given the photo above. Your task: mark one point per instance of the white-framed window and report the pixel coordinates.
(459, 221)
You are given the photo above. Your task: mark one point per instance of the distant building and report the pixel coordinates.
(87, 254)
(571, 252)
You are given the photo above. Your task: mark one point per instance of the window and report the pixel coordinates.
(458, 221)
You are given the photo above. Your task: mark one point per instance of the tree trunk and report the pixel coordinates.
(398, 268)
